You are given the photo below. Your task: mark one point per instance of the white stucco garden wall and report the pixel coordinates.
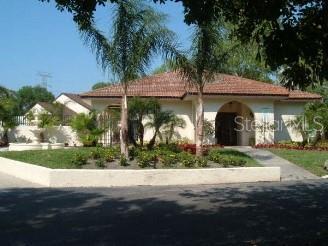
(62, 134)
(284, 113)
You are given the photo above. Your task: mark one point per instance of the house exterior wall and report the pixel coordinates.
(71, 104)
(284, 113)
(182, 109)
(263, 111)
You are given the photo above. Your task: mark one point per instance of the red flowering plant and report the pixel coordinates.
(191, 148)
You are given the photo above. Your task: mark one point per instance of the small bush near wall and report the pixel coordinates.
(226, 159)
(147, 159)
(191, 148)
(79, 159)
(293, 145)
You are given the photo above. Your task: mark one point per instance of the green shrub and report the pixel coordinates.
(187, 159)
(123, 161)
(172, 147)
(134, 151)
(201, 162)
(110, 154)
(79, 159)
(97, 153)
(100, 163)
(147, 159)
(169, 159)
(322, 144)
(87, 129)
(214, 155)
(225, 159)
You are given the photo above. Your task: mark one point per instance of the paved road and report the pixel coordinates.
(289, 171)
(289, 213)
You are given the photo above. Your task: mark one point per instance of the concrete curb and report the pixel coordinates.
(158, 177)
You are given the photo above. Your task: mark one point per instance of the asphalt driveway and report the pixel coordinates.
(292, 213)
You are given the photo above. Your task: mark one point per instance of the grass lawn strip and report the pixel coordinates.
(312, 161)
(62, 159)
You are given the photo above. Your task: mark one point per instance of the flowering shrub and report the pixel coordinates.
(191, 148)
(291, 146)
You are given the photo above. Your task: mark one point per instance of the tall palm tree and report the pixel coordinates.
(137, 34)
(207, 58)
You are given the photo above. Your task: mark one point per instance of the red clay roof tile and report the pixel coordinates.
(172, 85)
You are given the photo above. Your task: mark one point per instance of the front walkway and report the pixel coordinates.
(289, 171)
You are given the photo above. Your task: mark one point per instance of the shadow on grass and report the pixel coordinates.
(226, 215)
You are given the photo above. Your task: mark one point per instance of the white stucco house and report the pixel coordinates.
(242, 111)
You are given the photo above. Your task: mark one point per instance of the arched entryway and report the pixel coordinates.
(233, 125)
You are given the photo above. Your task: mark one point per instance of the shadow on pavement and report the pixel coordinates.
(294, 214)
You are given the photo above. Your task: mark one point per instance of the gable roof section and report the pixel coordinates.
(172, 85)
(77, 99)
(50, 107)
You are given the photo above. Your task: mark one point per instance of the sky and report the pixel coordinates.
(37, 38)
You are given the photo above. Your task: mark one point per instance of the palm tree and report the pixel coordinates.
(138, 110)
(157, 120)
(170, 127)
(207, 58)
(137, 34)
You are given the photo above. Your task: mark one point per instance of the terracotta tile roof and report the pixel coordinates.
(172, 85)
(78, 99)
(160, 85)
(299, 95)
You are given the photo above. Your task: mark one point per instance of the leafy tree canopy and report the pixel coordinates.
(293, 34)
(8, 111)
(321, 89)
(100, 85)
(28, 96)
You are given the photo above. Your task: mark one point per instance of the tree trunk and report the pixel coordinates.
(152, 141)
(5, 137)
(124, 125)
(199, 124)
(141, 133)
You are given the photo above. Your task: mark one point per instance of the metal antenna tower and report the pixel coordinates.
(44, 79)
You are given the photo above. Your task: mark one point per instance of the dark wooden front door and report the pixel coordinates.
(225, 129)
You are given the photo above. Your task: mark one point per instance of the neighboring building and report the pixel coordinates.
(228, 102)
(74, 102)
(46, 107)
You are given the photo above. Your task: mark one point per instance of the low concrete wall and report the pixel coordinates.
(159, 177)
(29, 172)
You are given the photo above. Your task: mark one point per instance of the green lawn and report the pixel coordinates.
(312, 161)
(62, 159)
(56, 159)
(250, 162)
